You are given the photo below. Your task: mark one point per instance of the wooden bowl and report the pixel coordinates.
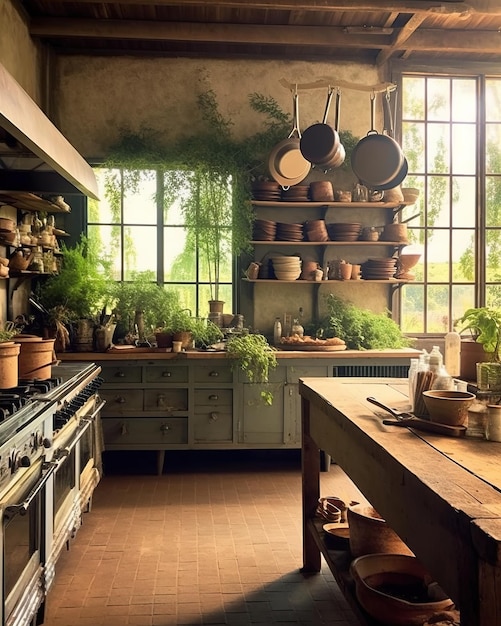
(448, 407)
(397, 590)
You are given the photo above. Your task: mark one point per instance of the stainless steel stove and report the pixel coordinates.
(50, 463)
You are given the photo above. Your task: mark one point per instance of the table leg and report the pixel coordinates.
(310, 469)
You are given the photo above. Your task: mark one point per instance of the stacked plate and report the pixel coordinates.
(264, 230)
(344, 231)
(289, 232)
(379, 269)
(298, 193)
(287, 267)
(266, 190)
(315, 230)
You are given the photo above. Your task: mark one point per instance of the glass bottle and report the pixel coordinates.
(277, 331)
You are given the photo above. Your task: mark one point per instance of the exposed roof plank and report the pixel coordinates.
(401, 37)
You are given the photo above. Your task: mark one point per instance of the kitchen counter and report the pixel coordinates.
(160, 354)
(442, 495)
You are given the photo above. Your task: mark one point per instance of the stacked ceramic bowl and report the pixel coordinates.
(296, 193)
(289, 232)
(344, 231)
(379, 269)
(286, 267)
(264, 230)
(266, 190)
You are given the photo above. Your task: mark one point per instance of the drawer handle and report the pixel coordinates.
(161, 401)
(123, 429)
(214, 417)
(120, 400)
(214, 374)
(164, 428)
(120, 374)
(214, 396)
(166, 374)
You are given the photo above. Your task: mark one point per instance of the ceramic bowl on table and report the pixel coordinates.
(448, 407)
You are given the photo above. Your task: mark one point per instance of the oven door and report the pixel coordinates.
(90, 457)
(23, 545)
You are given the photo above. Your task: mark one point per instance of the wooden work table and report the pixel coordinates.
(442, 495)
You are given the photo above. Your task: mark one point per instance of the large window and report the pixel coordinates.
(451, 136)
(158, 222)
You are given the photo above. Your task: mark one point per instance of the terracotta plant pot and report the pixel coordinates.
(370, 533)
(164, 340)
(9, 359)
(216, 306)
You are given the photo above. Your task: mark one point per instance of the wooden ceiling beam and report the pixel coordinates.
(446, 7)
(315, 36)
(401, 37)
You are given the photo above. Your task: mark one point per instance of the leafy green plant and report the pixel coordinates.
(361, 329)
(81, 288)
(142, 293)
(484, 323)
(255, 357)
(6, 335)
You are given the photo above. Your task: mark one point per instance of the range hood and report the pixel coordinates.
(34, 155)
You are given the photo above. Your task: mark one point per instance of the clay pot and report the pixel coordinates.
(370, 533)
(9, 358)
(36, 357)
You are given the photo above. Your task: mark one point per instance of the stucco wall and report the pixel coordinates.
(19, 54)
(98, 97)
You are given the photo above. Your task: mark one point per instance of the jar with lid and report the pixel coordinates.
(277, 331)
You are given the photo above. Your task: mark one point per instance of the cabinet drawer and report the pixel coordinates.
(213, 398)
(122, 401)
(166, 400)
(213, 374)
(155, 430)
(212, 426)
(166, 374)
(120, 374)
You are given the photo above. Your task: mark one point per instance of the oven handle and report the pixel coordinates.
(92, 416)
(22, 508)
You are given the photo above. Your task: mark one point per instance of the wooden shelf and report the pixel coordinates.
(25, 201)
(331, 243)
(329, 205)
(386, 281)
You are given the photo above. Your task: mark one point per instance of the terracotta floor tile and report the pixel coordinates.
(214, 541)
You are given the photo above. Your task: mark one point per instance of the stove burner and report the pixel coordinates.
(16, 397)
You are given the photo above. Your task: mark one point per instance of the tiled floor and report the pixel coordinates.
(215, 540)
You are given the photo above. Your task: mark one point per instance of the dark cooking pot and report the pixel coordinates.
(286, 164)
(320, 141)
(377, 159)
(394, 182)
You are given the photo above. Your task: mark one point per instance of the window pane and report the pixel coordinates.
(464, 100)
(493, 101)
(437, 269)
(464, 202)
(437, 310)
(463, 157)
(493, 148)
(438, 202)
(493, 247)
(463, 298)
(438, 98)
(463, 257)
(493, 201)
(180, 263)
(413, 143)
(109, 240)
(438, 148)
(140, 249)
(413, 97)
(412, 309)
(105, 211)
(139, 202)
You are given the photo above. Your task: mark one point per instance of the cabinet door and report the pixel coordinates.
(260, 423)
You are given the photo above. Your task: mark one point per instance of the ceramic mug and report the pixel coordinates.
(177, 346)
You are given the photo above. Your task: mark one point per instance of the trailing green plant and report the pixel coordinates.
(484, 323)
(81, 287)
(205, 333)
(255, 357)
(361, 329)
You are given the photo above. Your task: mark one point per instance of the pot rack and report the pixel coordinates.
(322, 83)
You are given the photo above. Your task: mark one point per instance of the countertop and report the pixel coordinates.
(148, 354)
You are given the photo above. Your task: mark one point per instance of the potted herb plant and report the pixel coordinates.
(482, 359)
